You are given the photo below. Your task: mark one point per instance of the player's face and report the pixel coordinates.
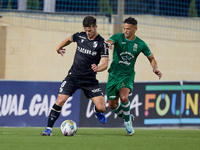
(91, 32)
(129, 31)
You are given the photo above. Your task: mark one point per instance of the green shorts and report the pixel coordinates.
(115, 84)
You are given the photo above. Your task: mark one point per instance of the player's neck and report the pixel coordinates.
(93, 37)
(131, 37)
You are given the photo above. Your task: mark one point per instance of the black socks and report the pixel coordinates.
(53, 116)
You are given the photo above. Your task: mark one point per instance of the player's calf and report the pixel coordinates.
(101, 117)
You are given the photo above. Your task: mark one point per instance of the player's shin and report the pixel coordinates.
(118, 110)
(126, 111)
(53, 116)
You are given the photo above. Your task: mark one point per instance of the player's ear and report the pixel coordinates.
(135, 28)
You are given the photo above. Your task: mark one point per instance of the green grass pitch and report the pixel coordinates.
(29, 138)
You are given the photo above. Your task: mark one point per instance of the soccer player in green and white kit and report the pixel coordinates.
(127, 47)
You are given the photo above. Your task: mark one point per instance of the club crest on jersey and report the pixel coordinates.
(95, 44)
(135, 47)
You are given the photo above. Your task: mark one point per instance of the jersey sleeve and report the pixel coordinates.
(75, 37)
(114, 38)
(146, 51)
(104, 51)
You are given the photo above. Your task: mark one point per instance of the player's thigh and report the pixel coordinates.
(99, 102)
(124, 93)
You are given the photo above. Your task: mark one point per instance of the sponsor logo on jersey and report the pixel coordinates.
(124, 62)
(126, 57)
(95, 44)
(135, 47)
(123, 42)
(86, 51)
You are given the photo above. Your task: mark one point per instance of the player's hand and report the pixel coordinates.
(61, 51)
(94, 67)
(109, 45)
(158, 73)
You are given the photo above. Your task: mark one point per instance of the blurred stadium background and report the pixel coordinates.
(173, 14)
(171, 28)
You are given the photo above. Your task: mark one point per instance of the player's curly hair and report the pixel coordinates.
(130, 20)
(89, 21)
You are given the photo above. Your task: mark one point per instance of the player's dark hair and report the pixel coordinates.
(89, 21)
(130, 20)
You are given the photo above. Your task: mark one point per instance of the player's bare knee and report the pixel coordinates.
(59, 103)
(124, 99)
(112, 105)
(61, 100)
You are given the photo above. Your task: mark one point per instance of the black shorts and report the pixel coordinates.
(90, 86)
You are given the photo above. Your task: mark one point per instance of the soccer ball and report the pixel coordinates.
(68, 128)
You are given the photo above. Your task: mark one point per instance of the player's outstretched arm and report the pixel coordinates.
(102, 67)
(60, 49)
(110, 43)
(154, 66)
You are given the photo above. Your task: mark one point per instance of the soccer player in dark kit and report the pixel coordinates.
(91, 49)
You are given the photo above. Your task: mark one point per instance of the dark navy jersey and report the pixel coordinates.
(87, 52)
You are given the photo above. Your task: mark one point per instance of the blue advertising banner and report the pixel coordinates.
(24, 103)
(154, 104)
